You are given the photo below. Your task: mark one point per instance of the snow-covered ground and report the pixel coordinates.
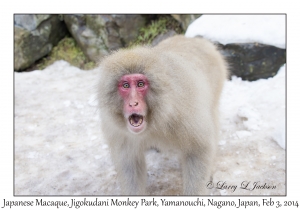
(59, 148)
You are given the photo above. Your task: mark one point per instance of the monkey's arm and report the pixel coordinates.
(131, 169)
(197, 162)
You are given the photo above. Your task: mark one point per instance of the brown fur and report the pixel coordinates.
(186, 77)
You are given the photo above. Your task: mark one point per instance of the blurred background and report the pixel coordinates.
(82, 39)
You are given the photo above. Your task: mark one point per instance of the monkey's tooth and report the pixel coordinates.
(136, 120)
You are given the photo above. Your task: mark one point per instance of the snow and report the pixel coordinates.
(60, 150)
(266, 29)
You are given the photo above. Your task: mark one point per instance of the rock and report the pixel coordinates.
(186, 20)
(34, 37)
(253, 61)
(29, 22)
(97, 35)
(162, 37)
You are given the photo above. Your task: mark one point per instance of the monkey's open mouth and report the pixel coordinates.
(136, 120)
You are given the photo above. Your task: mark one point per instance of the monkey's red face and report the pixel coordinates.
(133, 89)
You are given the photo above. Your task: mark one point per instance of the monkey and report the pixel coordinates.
(162, 97)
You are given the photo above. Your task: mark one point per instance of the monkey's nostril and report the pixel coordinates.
(133, 104)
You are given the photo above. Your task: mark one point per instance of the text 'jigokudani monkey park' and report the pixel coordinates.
(162, 97)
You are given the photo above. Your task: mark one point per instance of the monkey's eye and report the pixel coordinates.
(140, 84)
(125, 85)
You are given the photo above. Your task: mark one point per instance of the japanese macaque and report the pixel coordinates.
(162, 97)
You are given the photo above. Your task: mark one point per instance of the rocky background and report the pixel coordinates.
(83, 39)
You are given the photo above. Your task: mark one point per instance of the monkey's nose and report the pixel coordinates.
(133, 104)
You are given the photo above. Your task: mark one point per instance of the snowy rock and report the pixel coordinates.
(225, 29)
(253, 45)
